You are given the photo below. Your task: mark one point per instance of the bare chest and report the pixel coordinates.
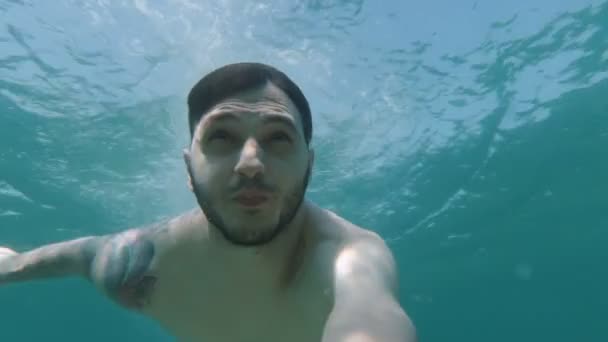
(224, 306)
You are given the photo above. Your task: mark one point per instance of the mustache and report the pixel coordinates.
(252, 183)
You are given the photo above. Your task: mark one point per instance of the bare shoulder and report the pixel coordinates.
(343, 233)
(124, 264)
(341, 242)
(173, 232)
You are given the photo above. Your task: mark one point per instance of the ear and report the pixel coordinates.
(311, 158)
(188, 162)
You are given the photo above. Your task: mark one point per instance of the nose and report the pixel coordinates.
(250, 163)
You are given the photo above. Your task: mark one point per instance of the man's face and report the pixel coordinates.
(249, 165)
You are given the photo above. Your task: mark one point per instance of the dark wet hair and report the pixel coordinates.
(235, 78)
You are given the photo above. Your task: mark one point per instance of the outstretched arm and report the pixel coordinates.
(366, 306)
(70, 258)
(116, 264)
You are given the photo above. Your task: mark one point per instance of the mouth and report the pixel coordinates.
(252, 198)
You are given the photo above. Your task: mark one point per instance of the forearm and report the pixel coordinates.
(69, 258)
(387, 323)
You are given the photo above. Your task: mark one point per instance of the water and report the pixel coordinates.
(471, 135)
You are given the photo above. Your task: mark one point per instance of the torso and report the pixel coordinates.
(200, 298)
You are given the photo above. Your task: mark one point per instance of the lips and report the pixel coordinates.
(252, 198)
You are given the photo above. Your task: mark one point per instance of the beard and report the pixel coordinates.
(241, 237)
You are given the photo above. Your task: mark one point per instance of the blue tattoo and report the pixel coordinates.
(122, 268)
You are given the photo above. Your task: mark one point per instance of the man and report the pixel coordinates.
(256, 262)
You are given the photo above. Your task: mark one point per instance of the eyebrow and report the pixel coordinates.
(266, 119)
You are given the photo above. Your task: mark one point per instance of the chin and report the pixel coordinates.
(258, 226)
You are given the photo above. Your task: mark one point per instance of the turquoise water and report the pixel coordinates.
(473, 136)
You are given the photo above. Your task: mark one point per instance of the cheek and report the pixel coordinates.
(212, 177)
(200, 172)
(293, 177)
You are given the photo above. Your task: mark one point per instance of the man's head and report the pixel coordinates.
(249, 160)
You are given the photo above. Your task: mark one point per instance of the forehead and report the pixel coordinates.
(266, 100)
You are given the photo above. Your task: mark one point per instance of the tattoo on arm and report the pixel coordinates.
(121, 266)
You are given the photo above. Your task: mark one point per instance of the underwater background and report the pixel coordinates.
(472, 135)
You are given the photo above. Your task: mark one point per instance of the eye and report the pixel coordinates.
(279, 137)
(219, 135)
